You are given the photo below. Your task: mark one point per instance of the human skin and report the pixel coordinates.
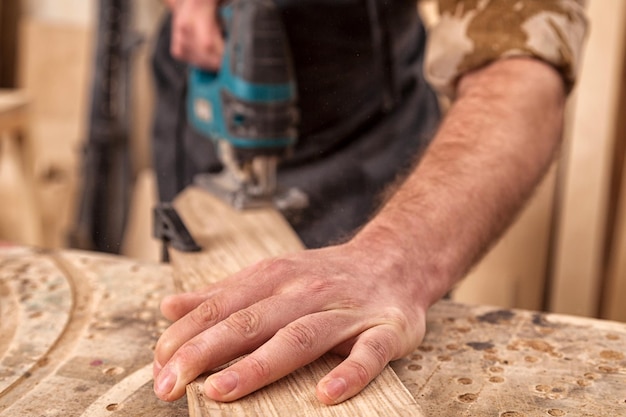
(196, 32)
(367, 298)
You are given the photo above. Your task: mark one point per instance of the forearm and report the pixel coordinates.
(492, 149)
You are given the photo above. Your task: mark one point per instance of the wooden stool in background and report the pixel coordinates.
(19, 214)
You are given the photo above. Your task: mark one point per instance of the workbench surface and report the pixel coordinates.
(77, 332)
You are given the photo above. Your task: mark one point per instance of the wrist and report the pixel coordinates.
(399, 256)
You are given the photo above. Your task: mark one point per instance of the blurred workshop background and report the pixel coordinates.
(566, 253)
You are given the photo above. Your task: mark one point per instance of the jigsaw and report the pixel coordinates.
(248, 108)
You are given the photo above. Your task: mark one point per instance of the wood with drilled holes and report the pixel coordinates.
(232, 240)
(77, 332)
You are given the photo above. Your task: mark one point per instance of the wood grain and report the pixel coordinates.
(232, 240)
(295, 394)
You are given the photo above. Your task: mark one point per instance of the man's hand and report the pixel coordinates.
(196, 33)
(286, 313)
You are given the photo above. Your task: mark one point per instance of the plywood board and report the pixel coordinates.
(232, 240)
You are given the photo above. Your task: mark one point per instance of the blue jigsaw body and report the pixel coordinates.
(250, 102)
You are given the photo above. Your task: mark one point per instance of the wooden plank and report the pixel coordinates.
(58, 110)
(296, 394)
(232, 240)
(20, 221)
(585, 179)
(613, 306)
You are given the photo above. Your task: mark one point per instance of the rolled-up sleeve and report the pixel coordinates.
(473, 33)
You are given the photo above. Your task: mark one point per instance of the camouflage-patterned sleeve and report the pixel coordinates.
(473, 33)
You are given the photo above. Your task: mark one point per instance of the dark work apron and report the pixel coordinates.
(366, 111)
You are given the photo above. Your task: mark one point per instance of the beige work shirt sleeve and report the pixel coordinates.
(473, 33)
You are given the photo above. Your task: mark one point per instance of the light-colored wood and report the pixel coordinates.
(486, 361)
(139, 242)
(585, 180)
(232, 240)
(54, 65)
(65, 12)
(613, 305)
(147, 18)
(295, 395)
(78, 332)
(20, 221)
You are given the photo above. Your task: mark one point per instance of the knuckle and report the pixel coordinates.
(379, 350)
(299, 336)
(397, 319)
(260, 367)
(280, 266)
(165, 347)
(319, 285)
(189, 355)
(206, 314)
(246, 323)
(362, 374)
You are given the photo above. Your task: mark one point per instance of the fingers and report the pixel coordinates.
(373, 350)
(223, 340)
(176, 306)
(202, 311)
(294, 346)
(196, 34)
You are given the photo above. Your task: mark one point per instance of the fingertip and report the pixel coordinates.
(175, 306)
(169, 308)
(332, 390)
(165, 385)
(222, 386)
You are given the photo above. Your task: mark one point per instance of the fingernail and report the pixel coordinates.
(335, 388)
(165, 381)
(224, 383)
